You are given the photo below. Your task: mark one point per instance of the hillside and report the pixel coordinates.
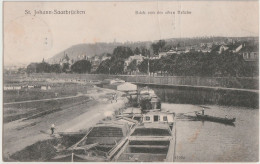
(84, 49)
(94, 49)
(99, 48)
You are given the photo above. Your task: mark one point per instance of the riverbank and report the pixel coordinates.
(19, 134)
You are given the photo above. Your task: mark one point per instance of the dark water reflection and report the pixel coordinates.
(188, 95)
(215, 142)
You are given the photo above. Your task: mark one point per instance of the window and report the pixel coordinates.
(165, 118)
(252, 55)
(147, 118)
(155, 118)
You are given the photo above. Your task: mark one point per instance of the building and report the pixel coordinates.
(95, 62)
(65, 60)
(171, 52)
(105, 58)
(112, 81)
(181, 50)
(250, 53)
(162, 54)
(82, 57)
(250, 56)
(119, 86)
(152, 57)
(220, 48)
(139, 59)
(45, 87)
(235, 48)
(205, 50)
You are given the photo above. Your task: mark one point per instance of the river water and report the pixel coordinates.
(204, 141)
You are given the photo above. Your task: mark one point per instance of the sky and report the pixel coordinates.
(30, 38)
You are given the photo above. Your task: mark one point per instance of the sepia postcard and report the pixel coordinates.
(130, 81)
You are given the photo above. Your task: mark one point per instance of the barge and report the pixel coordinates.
(152, 140)
(99, 143)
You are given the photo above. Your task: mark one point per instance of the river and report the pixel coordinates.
(204, 141)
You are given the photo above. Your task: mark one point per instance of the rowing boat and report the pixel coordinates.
(216, 119)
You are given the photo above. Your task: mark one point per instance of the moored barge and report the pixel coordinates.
(152, 140)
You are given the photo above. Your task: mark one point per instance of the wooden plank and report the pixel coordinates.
(172, 148)
(149, 146)
(70, 133)
(89, 158)
(171, 152)
(86, 147)
(75, 145)
(121, 151)
(142, 154)
(148, 138)
(61, 156)
(106, 146)
(117, 147)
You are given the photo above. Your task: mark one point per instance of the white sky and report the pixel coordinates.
(25, 35)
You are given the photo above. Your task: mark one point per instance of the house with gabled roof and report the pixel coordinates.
(235, 48)
(250, 52)
(139, 59)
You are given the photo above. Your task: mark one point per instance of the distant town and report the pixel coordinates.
(236, 57)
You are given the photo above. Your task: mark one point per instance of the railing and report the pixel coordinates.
(226, 82)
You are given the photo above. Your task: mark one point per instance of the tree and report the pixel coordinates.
(155, 48)
(55, 68)
(122, 52)
(132, 66)
(158, 47)
(112, 66)
(161, 44)
(143, 67)
(65, 67)
(81, 66)
(43, 67)
(117, 66)
(145, 52)
(21, 70)
(137, 51)
(166, 64)
(31, 68)
(104, 67)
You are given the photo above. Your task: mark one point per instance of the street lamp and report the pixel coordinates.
(148, 69)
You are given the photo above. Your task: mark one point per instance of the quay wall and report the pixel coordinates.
(205, 95)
